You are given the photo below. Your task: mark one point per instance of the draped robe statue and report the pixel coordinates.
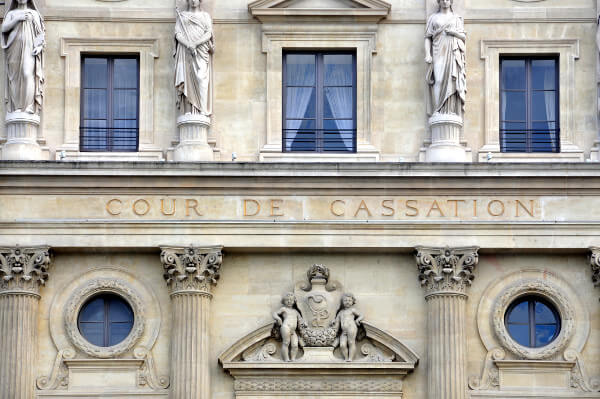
(194, 45)
(23, 41)
(445, 54)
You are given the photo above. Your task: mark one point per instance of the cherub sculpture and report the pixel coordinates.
(289, 319)
(348, 319)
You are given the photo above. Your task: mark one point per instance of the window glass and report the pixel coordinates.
(533, 322)
(109, 115)
(529, 105)
(320, 102)
(105, 320)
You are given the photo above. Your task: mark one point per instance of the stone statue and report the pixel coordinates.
(289, 319)
(348, 318)
(194, 45)
(445, 53)
(23, 40)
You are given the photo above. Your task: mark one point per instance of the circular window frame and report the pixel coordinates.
(86, 293)
(539, 299)
(547, 292)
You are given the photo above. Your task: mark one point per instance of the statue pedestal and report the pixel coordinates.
(445, 139)
(193, 139)
(22, 137)
(319, 354)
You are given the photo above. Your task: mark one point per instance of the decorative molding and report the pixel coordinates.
(87, 291)
(548, 291)
(316, 385)
(446, 270)
(276, 10)
(23, 270)
(59, 377)
(579, 378)
(147, 374)
(595, 264)
(192, 269)
(148, 49)
(489, 378)
(568, 50)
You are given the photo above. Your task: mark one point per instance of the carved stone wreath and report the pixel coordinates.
(93, 288)
(551, 293)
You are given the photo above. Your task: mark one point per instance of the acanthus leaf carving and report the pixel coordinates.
(595, 264)
(191, 269)
(446, 270)
(24, 269)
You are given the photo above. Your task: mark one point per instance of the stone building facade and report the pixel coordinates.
(300, 199)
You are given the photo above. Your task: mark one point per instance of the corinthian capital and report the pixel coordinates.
(595, 263)
(23, 269)
(446, 270)
(191, 270)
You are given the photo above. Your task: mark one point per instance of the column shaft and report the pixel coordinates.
(190, 346)
(18, 345)
(446, 346)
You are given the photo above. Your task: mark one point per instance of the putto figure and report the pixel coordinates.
(194, 46)
(348, 319)
(23, 40)
(289, 319)
(445, 53)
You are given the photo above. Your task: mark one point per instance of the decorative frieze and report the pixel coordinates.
(446, 270)
(191, 269)
(23, 269)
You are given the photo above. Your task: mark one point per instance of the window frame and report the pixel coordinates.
(109, 102)
(532, 324)
(107, 299)
(529, 101)
(319, 99)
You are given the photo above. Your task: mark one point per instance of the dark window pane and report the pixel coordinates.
(544, 141)
(93, 311)
(543, 105)
(338, 102)
(519, 314)
(300, 69)
(95, 104)
(543, 74)
(339, 69)
(95, 72)
(543, 314)
(118, 332)
(301, 103)
(513, 106)
(119, 311)
(544, 334)
(520, 333)
(302, 141)
(125, 73)
(513, 74)
(125, 104)
(93, 332)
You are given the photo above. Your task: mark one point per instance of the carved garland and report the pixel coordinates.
(81, 296)
(551, 293)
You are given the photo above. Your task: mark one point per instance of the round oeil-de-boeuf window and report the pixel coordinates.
(105, 320)
(532, 321)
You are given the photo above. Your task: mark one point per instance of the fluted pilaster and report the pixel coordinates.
(190, 274)
(22, 272)
(445, 275)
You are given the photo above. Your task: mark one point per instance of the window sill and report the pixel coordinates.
(70, 155)
(531, 157)
(318, 157)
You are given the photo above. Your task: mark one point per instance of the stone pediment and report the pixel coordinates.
(356, 10)
(319, 344)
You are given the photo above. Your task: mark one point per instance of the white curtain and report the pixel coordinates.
(340, 99)
(550, 99)
(298, 98)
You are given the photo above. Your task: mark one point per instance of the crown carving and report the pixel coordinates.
(446, 270)
(192, 269)
(24, 269)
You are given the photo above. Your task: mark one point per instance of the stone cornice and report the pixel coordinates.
(446, 271)
(191, 270)
(23, 270)
(595, 264)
